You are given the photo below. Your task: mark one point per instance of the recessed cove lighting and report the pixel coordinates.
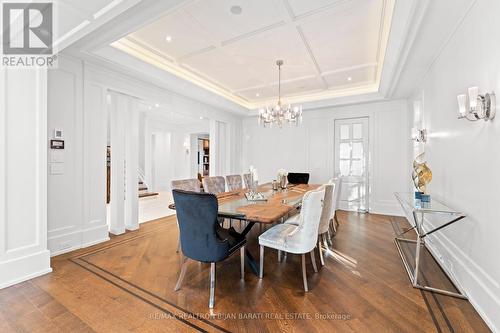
(168, 39)
(349, 78)
(236, 10)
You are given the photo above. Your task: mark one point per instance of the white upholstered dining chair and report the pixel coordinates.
(327, 214)
(296, 239)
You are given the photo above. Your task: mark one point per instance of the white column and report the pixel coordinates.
(23, 175)
(95, 228)
(131, 165)
(117, 106)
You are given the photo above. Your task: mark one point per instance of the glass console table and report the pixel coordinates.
(416, 212)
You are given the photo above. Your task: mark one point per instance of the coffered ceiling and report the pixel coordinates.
(330, 48)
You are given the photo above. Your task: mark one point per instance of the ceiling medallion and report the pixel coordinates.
(279, 114)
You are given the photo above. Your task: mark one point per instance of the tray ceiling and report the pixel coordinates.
(330, 48)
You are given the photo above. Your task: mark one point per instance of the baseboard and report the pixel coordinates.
(471, 280)
(77, 239)
(391, 208)
(24, 268)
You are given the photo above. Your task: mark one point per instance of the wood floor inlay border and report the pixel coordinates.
(170, 309)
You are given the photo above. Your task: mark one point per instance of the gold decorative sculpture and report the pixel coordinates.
(421, 175)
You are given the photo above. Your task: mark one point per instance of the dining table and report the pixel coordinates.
(276, 205)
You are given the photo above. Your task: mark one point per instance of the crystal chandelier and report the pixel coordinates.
(280, 114)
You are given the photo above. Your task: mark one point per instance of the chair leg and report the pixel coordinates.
(321, 259)
(242, 262)
(211, 301)
(261, 266)
(313, 259)
(182, 274)
(279, 255)
(178, 245)
(304, 275)
(325, 242)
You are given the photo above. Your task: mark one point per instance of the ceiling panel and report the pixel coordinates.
(216, 17)
(252, 61)
(345, 36)
(301, 7)
(303, 86)
(186, 34)
(352, 77)
(322, 43)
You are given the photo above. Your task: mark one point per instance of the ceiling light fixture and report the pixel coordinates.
(157, 105)
(168, 39)
(257, 95)
(279, 114)
(236, 10)
(349, 78)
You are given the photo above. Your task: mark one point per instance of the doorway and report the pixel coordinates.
(351, 162)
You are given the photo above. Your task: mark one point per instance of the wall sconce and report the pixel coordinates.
(186, 146)
(474, 106)
(419, 135)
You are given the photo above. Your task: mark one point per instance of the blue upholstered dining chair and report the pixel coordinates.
(298, 178)
(297, 239)
(193, 185)
(202, 238)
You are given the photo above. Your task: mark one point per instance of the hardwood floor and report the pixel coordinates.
(126, 285)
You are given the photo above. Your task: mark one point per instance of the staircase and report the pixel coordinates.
(143, 188)
(143, 191)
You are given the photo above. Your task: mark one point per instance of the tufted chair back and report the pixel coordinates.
(193, 185)
(303, 238)
(234, 183)
(336, 194)
(197, 218)
(247, 178)
(214, 185)
(327, 211)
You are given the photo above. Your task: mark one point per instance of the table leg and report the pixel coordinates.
(251, 262)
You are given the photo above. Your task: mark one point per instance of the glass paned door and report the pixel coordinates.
(351, 162)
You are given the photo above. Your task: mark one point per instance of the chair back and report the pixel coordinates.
(298, 178)
(234, 182)
(303, 238)
(336, 194)
(247, 178)
(214, 185)
(326, 212)
(197, 218)
(193, 185)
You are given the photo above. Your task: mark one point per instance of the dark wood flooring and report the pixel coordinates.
(126, 285)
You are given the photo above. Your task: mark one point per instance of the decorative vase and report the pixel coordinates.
(283, 181)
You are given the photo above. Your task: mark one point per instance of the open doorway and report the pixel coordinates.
(170, 150)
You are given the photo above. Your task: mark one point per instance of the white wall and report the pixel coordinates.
(464, 158)
(77, 105)
(23, 168)
(310, 148)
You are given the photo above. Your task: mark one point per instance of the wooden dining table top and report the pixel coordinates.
(278, 204)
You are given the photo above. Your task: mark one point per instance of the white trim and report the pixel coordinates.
(458, 265)
(24, 268)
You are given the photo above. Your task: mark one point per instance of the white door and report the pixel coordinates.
(351, 162)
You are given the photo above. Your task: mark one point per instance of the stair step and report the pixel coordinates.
(141, 182)
(143, 188)
(147, 194)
